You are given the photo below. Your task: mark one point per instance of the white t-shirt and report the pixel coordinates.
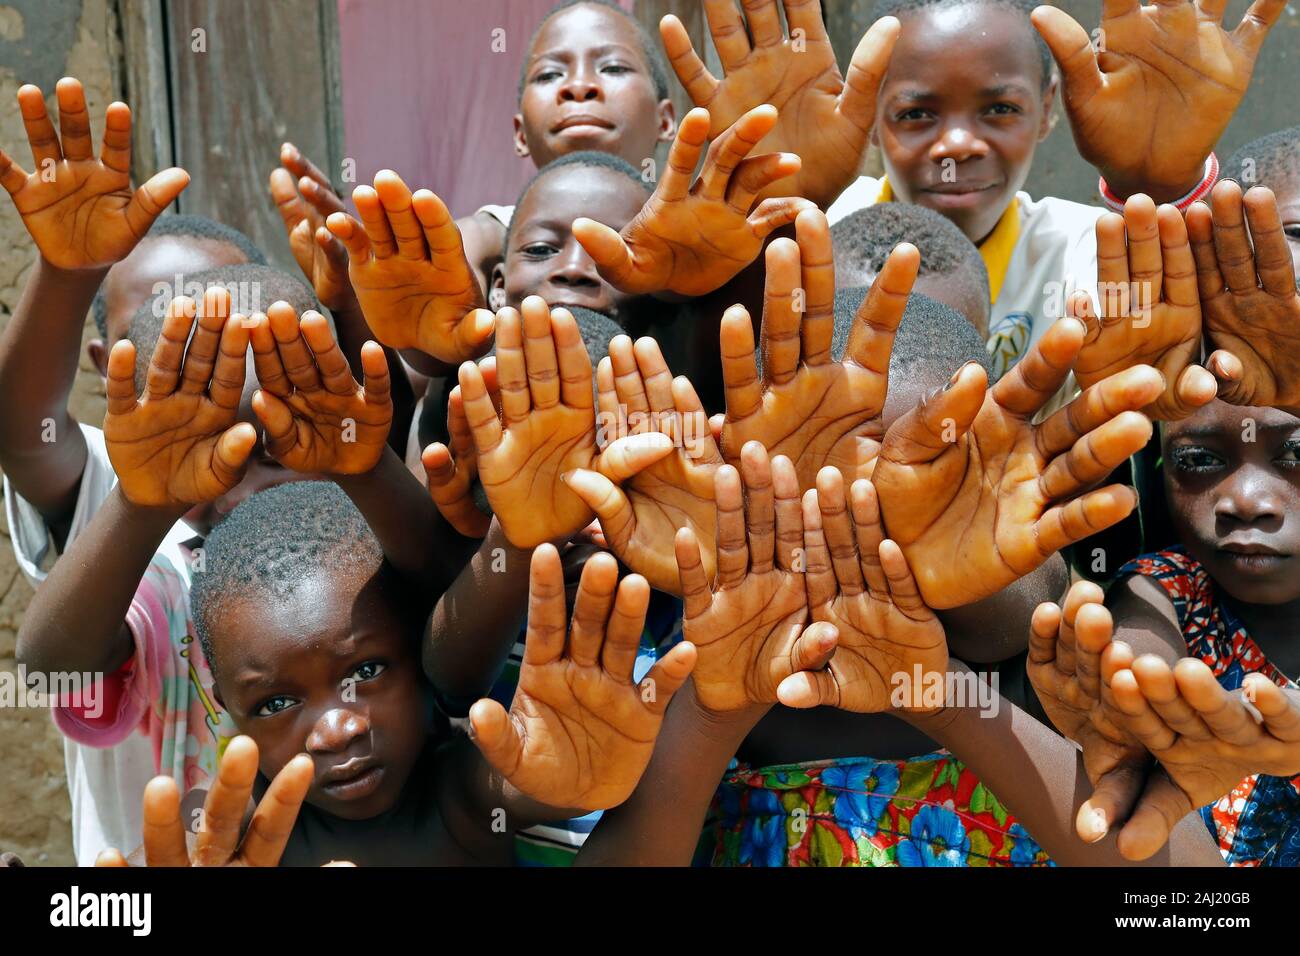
(106, 784)
(502, 214)
(1054, 255)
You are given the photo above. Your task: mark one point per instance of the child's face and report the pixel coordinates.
(587, 86)
(131, 281)
(544, 259)
(961, 111)
(1232, 475)
(331, 671)
(1288, 209)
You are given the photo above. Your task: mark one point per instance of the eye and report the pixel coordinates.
(616, 69)
(546, 76)
(1290, 457)
(1004, 109)
(911, 116)
(368, 671)
(275, 705)
(1292, 230)
(1195, 460)
(539, 250)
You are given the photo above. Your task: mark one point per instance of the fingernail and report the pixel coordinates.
(955, 375)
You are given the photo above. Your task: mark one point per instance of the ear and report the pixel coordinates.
(99, 355)
(497, 294)
(1049, 100)
(521, 142)
(667, 121)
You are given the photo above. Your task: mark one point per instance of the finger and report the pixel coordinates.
(230, 454)
(697, 434)
(871, 339)
(1031, 382)
(479, 410)
(813, 685)
(1130, 390)
(779, 335)
(1112, 265)
(760, 512)
(789, 513)
(540, 354)
(408, 232)
(1159, 810)
(439, 229)
(1221, 710)
(496, 736)
(628, 382)
(353, 236)
(1140, 718)
(1279, 709)
(816, 260)
(838, 528)
(1179, 267)
(110, 857)
(1231, 242)
(819, 575)
(120, 385)
(1095, 455)
(612, 256)
(280, 432)
(626, 623)
(164, 831)
(322, 198)
(1256, 23)
(152, 199)
(573, 361)
(1084, 516)
(74, 120)
(656, 376)
(12, 177)
(1273, 262)
(700, 85)
(805, 15)
(684, 156)
(757, 173)
(374, 219)
(631, 455)
(450, 496)
(610, 504)
(292, 158)
(742, 389)
(729, 149)
(287, 199)
(1043, 628)
(547, 617)
(865, 73)
(299, 364)
(1071, 47)
(115, 150)
(903, 591)
(696, 596)
(1113, 798)
(1093, 627)
(591, 607)
(335, 373)
(733, 550)
(1146, 272)
(165, 366)
(40, 131)
(277, 813)
(1200, 231)
(728, 32)
(226, 803)
(668, 675)
(266, 358)
(200, 357)
(940, 420)
(1158, 685)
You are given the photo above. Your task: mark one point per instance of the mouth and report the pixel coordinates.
(353, 780)
(581, 121)
(955, 195)
(1248, 556)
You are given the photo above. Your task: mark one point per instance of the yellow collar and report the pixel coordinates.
(996, 250)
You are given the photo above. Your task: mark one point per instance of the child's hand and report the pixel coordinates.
(546, 428)
(451, 471)
(220, 825)
(1064, 667)
(317, 418)
(1150, 312)
(408, 267)
(824, 118)
(1149, 103)
(1249, 297)
(859, 581)
(580, 732)
(637, 392)
(1207, 739)
(978, 496)
(694, 239)
(750, 626)
(807, 406)
(179, 444)
(304, 206)
(80, 210)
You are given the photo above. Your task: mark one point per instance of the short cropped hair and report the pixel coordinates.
(932, 342)
(1272, 160)
(588, 158)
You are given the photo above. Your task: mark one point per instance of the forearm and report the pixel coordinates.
(38, 365)
(1039, 776)
(997, 627)
(660, 824)
(102, 570)
(476, 622)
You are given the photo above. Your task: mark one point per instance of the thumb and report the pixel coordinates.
(939, 421)
(157, 193)
(1162, 805)
(607, 249)
(496, 736)
(1112, 799)
(231, 453)
(1072, 49)
(612, 507)
(631, 454)
(276, 418)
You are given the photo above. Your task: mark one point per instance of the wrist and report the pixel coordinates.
(161, 516)
(1116, 187)
(720, 726)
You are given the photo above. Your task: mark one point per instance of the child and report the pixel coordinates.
(311, 638)
(55, 471)
(951, 271)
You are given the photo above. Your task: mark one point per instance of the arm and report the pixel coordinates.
(994, 628)
(1039, 776)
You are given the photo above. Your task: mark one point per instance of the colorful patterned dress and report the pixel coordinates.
(1258, 823)
(923, 811)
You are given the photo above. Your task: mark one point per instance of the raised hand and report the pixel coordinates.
(859, 582)
(807, 406)
(694, 239)
(1064, 667)
(1248, 297)
(546, 427)
(580, 732)
(181, 442)
(304, 206)
(1150, 312)
(1149, 103)
(220, 838)
(317, 418)
(450, 472)
(408, 267)
(826, 118)
(750, 627)
(1208, 739)
(977, 495)
(81, 211)
(638, 394)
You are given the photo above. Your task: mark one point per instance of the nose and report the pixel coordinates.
(573, 267)
(580, 87)
(336, 729)
(1249, 497)
(958, 143)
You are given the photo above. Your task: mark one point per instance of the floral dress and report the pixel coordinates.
(1258, 823)
(923, 811)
